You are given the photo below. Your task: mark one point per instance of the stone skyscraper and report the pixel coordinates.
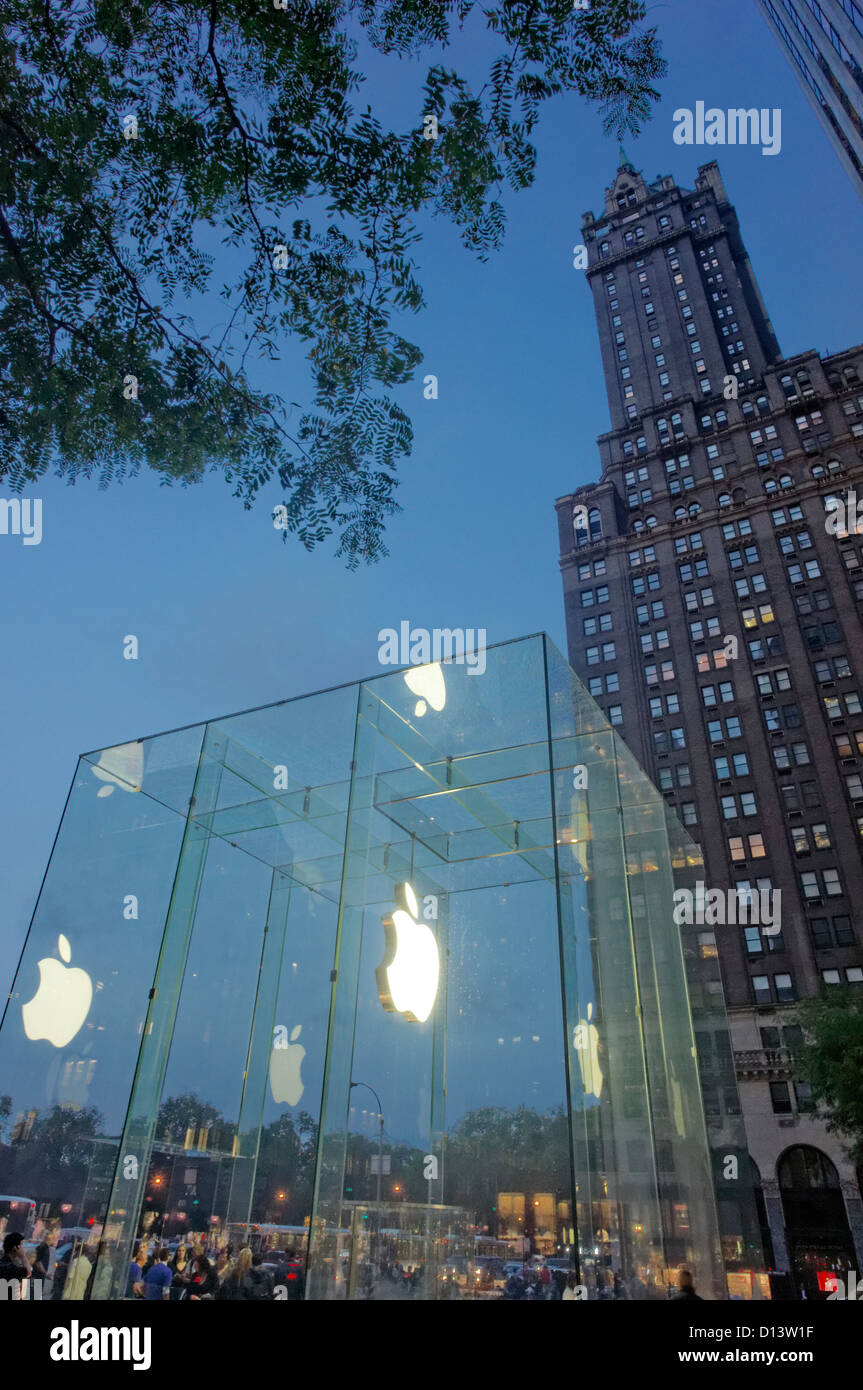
(713, 606)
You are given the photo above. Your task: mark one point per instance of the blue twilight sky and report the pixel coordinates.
(229, 617)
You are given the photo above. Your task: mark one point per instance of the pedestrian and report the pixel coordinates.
(258, 1282)
(14, 1263)
(204, 1283)
(45, 1261)
(181, 1270)
(569, 1294)
(514, 1287)
(224, 1264)
(231, 1286)
(686, 1288)
(78, 1277)
(136, 1271)
(157, 1280)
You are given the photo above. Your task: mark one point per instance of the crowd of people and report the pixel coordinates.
(191, 1272)
(406, 1278)
(601, 1285)
(156, 1272)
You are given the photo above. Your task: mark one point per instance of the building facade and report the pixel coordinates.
(383, 974)
(713, 605)
(823, 42)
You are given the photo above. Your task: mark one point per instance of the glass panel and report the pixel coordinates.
(454, 799)
(737, 1211)
(618, 1213)
(74, 1021)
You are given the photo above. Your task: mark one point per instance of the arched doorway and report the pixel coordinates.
(819, 1238)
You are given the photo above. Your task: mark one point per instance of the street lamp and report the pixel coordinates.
(381, 1133)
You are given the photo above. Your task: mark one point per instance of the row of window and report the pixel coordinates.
(785, 756)
(677, 486)
(764, 439)
(604, 653)
(780, 1095)
(781, 989)
(587, 525)
(608, 685)
(639, 497)
(634, 235)
(841, 706)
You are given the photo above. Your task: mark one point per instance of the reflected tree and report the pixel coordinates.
(193, 1123)
(496, 1150)
(53, 1162)
(286, 1163)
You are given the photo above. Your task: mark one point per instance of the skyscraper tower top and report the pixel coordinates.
(664, 263)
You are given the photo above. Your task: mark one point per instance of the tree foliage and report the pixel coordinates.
(286, 1162)
(187, 1112)
(831, 1060)
(61, 1148)
(494, 1150)
(113, 250)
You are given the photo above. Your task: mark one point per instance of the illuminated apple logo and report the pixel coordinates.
(408, 974)
(585, 1040)
(62, 1001)
(122, 766)
(286, 1060)
(429, 684)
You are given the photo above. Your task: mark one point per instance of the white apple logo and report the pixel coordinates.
(62, 1001)
(408, 975)
(585, 1040)
(122, 766)
(286, 1059)
(427, 682)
